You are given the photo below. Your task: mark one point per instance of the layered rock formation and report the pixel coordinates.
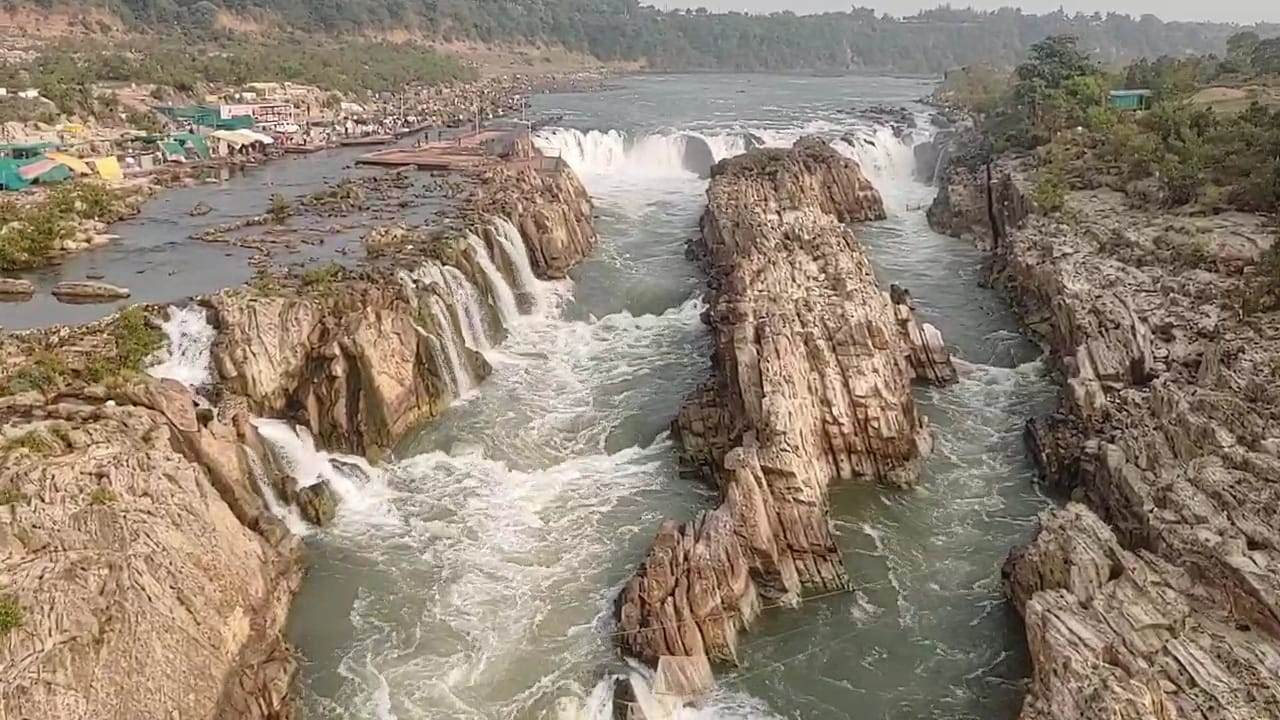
(810, 383)
(355, 367)
(1157, 595)
(548, 204)
(141, 574)
(362, 365)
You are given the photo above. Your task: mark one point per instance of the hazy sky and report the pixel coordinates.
(1242, 11)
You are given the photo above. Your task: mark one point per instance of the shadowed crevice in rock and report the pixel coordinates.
(810, 383)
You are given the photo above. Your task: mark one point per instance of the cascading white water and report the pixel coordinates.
(504, 299)
(461, 380)
(887, 160)
(352, 479)
(466, 300)
(512, 244)
(188, 353)
(524, 508)
(287, 514)
(611, 152)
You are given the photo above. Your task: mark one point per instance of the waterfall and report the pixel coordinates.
(288, 514)
(466, 300)
(612, 152)
(459, 368)
(295, 450)
(512, 244)
(503, 297)
(887, 161)
(188, 355)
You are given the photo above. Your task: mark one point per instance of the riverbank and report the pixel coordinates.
(1151, 593)
(26, 256)
(119, 422)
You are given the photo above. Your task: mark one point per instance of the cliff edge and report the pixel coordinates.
(1155, 593)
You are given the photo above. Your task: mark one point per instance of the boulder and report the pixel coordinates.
(89, 290)
(16, 286)
(317, 503)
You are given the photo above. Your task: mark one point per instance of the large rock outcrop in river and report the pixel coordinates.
(140, 574)
(356, 367)
(548, 204)
(362, 358)
(811, 374)
(1158, 596)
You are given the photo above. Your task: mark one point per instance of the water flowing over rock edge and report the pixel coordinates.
(1153, 593)
(810, 383)
(101, 471)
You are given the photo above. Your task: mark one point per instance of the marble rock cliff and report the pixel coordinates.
(362, 361)
(810, 383)
(1155, 595)
(548, 204)
(141, 575)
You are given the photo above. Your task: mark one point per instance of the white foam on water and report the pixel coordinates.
(616, 153)
(724, 703)
(888, 162)
(467, 301)
(359, 487)
(187, 357)
(513, 246)
(461, 380)
(287, 514)
(504, 298)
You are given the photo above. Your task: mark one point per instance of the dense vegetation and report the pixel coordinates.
(1181, 152)
(66, 73)
(30, 232)
(929, 42)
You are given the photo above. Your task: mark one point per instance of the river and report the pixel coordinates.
(157, 259)
(477, 581)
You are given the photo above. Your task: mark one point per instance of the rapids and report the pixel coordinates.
(475, 578)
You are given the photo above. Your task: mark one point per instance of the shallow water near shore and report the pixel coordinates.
(157, 259)
(480, 584)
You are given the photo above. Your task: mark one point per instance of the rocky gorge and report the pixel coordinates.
(142, 514)
(1153, 592)
(812, 365)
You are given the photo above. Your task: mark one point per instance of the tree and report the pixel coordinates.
(1240, 48)
(1266, 56)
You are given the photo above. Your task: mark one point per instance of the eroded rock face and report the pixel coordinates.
(977, 192)
(810, 384)
(1129, 634)
(550, 207)
(1157, 597)
(148, 589)
(355, 367)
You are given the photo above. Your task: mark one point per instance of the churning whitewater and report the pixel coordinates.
(477, 577)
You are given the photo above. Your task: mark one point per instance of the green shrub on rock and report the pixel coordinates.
(10, 614)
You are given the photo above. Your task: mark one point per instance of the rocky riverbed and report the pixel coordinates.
(811, 372)
(146, 516)
(1154, 592)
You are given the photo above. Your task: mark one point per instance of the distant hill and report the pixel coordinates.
(930, 42)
